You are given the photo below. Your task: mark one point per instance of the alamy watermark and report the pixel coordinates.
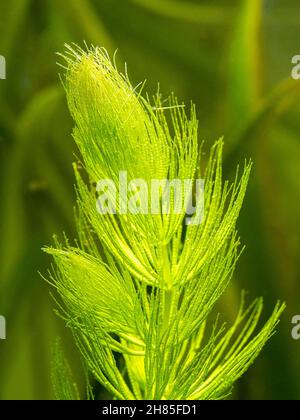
(160, 196)
(296, 69)
(2, 67)
(2, 318)
(296, 329)
(2, 328)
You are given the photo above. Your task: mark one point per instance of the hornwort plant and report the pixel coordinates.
(137, 289)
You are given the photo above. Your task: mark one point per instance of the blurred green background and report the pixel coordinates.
(233, 59)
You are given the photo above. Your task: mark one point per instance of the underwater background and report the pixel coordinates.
(233, 59)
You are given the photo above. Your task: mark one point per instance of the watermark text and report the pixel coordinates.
(2, 328)
(2, 67)
(160, 196)
(296, 68)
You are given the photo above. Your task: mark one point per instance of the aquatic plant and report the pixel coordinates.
(138, 289)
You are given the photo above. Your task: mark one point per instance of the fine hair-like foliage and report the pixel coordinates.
(137, 289)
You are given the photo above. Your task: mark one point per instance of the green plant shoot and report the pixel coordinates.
(138, 289)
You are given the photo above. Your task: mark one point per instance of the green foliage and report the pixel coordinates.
(139, 290)
(214, 53)
(64, 386)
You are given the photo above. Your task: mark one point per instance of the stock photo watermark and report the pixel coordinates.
(2, 328)
(296, 329)
(2, 67)
(296, 69)
(160, 196)
(2, 318)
